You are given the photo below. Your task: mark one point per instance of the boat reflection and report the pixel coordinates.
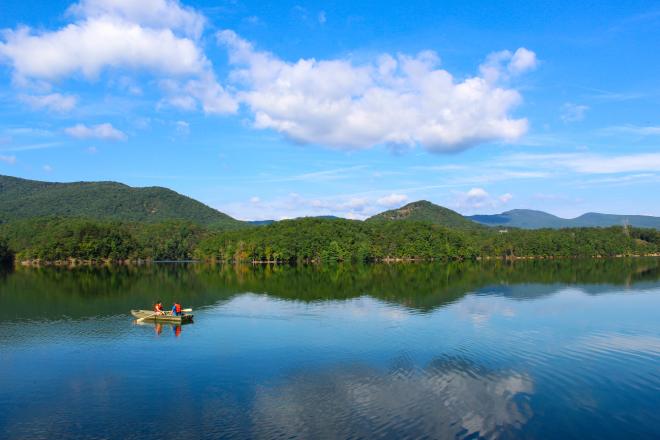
(159, 326)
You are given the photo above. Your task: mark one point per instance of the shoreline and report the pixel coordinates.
(74, 262)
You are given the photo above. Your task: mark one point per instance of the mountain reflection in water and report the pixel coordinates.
(92, 291)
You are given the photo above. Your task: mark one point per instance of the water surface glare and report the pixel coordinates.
(531, 350)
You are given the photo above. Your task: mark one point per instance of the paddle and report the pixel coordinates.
(145, 317)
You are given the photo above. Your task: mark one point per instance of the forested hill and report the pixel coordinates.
(25, 199)
(428, 212)
(530, 219)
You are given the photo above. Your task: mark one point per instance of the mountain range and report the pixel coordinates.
(24, 199)
(530, 219)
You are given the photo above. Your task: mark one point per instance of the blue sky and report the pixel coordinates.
(306, 108)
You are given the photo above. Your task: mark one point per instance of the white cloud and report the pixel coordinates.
(523, 60)
(392, 200)
(648, 130)
(505, 198)
(504, 65)
(573, 112)
(8, 159)
(476, 198)
(98, 43)
(402, 100)
(101, 131)
(156, 36)
(593, 164)
(322, 176)
(590, 163)
(47, 168)
(182, 127)
(479, 198)
(357, 207)
(152, 13)
(53, 102)
(211, 95)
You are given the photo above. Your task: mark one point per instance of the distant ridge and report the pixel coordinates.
(531, 219)
(423, 210)
(24, 199)
(270, 222)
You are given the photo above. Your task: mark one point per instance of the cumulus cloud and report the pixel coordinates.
(101, 131)
(479, 198)
(53, 102)
(523, 60)
(504, 65)
(395, 100)
(476, 198)
(8, 159)
(152, 13)
(357, 207)
(505, 198)
(157, 36)
(97, 43)
(573, 112)
(392, 199)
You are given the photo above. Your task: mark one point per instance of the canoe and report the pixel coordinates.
(148, 315)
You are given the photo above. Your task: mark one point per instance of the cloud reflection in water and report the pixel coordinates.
(451, 397)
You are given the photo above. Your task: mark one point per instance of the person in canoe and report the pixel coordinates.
(176, 309)
(158, 308)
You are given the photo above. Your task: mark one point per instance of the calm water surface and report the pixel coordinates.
(532, 350)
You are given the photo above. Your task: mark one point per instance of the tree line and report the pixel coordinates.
(308, 240)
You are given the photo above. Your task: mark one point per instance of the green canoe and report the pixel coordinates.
(149, 315)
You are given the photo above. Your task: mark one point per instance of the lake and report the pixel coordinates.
(535, 349)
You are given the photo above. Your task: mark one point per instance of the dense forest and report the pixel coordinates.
(22, 199)
(6, 255)
(425, 211)
(311, 240)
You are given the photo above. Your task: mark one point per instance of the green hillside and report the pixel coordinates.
(24, 199)
(596, 219)
(522, 218)
(427, 212)
(530, 219)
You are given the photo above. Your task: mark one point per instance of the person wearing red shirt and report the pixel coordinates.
(158, 308)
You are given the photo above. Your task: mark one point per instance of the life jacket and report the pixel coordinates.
(177, 308)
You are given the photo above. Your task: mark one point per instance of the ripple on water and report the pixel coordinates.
(448, 396)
